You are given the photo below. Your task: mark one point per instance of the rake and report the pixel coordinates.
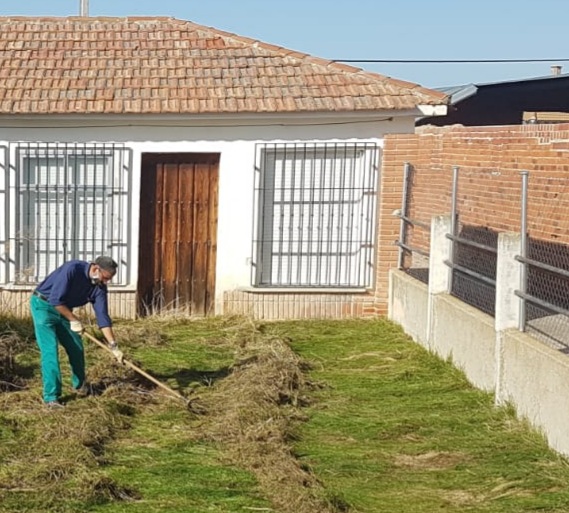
(140, 371)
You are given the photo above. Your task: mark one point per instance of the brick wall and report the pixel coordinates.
(489, 192)
(274, 306)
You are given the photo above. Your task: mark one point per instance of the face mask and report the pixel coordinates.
(96, 279)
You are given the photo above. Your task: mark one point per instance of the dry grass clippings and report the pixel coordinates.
(11, 344)
(252, 414)
(58, 454)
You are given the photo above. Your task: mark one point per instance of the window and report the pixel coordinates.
(315, 215)
(71, 203)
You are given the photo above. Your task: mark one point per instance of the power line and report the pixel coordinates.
(447, 61)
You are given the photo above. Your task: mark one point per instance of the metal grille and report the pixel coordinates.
(70, 201)
(314, 220)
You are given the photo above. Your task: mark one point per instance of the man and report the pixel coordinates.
(74, 284)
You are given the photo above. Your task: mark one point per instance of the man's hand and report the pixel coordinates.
(118, 354)
(76, 326)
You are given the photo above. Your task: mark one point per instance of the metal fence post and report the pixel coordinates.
(403, 215)
(453, 223)
(523, 250)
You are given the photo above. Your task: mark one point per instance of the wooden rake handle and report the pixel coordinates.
(138, 369)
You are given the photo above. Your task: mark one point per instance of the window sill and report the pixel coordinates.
(304, 290)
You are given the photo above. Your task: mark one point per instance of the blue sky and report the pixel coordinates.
(372, 29)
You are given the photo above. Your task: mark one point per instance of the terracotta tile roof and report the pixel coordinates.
(165, 66)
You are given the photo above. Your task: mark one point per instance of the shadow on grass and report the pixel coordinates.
(187, 377)
(16, 376)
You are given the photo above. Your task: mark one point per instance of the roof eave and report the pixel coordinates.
(236, 119)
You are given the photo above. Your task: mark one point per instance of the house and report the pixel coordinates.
(505, 103)
(224, 174)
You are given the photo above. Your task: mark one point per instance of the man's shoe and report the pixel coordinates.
(84, 390)
(54, 405)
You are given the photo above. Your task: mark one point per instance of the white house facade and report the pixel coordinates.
(261, 204)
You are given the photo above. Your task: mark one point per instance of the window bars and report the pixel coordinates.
(71, 201)
(315, 215)
(5, 223)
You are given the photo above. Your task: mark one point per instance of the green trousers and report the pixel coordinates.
(50, 327)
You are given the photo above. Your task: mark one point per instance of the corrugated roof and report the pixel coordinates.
(458, 93)
(167, 66)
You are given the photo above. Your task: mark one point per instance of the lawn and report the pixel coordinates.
(314, 416)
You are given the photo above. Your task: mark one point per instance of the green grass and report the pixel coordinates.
(157, 457)
(174, 475)
(399, 430)
(390, 429)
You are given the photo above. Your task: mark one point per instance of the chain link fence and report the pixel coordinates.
(484, 203)
(545, 290)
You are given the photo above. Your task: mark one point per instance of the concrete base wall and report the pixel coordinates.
(535, 378)
(459, 332)
(466, 336)
(524, 372)
(408, 305)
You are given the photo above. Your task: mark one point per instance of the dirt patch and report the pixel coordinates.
(461, 498)
(429, 460)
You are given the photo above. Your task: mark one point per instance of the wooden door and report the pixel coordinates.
(178, 233)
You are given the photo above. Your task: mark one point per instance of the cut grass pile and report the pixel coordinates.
(246, 388)
(319, 417)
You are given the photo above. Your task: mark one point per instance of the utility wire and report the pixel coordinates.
(444, 61)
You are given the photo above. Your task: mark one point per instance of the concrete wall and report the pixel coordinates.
(535, 378)
(516, 367)
(494, 355)
(458, 331)
(466, 336)
(408, 305)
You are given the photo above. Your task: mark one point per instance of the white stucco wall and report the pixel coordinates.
(234, 139)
